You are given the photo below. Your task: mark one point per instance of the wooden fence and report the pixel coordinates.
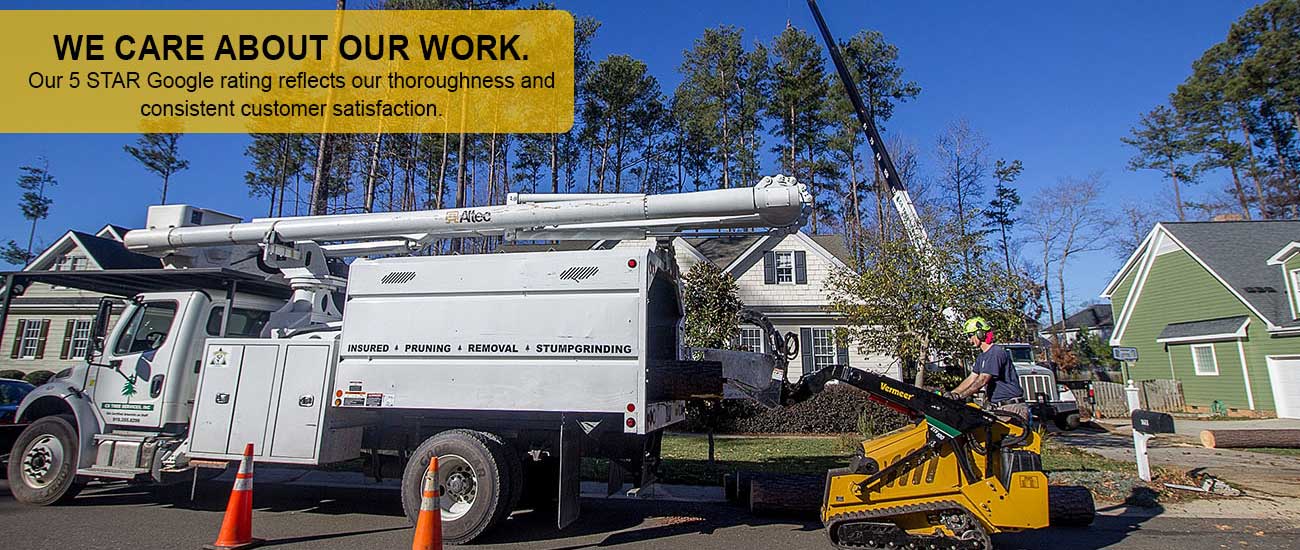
(1154, 395)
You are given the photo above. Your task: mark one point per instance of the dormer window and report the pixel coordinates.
(70, 263)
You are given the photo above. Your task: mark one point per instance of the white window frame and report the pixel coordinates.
(1196, 364)
(31, 339)
(1295, 290)
(826, 351)
(776, 261)
(80, 345)
(751, 339)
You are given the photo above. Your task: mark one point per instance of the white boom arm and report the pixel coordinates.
(298, 246)
(777, 202)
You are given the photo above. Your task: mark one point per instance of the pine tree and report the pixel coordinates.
(1162, 144)
(799, 106)
(34, 205)
(710, 104)
(277, 159)
(160, 154)
(1000, 213)
(623, 106)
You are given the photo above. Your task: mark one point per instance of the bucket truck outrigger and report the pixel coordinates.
(506, 366)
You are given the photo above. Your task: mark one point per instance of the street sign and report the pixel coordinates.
(1124, 354)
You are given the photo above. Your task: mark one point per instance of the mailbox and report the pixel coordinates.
(1149, 422)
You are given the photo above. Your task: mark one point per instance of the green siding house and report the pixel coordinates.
(1214, 305)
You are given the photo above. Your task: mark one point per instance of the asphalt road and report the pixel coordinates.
(136, 518)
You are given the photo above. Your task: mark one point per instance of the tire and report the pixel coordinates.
(514, 469)
(477, 498)
(43, 465)
(1070, 506)
(1068, 421)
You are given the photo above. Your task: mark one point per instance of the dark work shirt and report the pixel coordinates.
(1004, 384)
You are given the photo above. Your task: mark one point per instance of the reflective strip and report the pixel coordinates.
(429, 502)
(243, 483)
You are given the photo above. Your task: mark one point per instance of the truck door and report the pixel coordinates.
(145, 349)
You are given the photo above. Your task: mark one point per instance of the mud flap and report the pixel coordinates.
(567, 507)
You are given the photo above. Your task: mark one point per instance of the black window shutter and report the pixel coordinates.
(40, 344)
(18, 339)
(769, 268)
(68, 329)
(800, 267)
(806, 348)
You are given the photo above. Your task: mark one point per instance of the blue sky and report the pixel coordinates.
(1051, 83)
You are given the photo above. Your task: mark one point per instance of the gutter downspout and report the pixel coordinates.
(1245, 374)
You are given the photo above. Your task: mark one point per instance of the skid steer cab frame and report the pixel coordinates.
(952, 478)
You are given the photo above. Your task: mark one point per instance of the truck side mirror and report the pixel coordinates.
(99, 328)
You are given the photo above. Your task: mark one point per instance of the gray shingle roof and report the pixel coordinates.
(111, 254)
(1226, 325)
(1238, 252)
(1093, 316)
(722, 250)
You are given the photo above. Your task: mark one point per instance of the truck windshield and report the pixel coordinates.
(1021, 355)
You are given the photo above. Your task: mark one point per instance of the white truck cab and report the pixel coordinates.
(1047, 398)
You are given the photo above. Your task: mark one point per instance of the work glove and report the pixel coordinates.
(953, 395)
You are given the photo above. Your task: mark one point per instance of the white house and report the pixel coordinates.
(48, 327)
(781, 276)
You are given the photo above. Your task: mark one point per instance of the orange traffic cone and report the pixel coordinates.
(428, 525)
(237, 527)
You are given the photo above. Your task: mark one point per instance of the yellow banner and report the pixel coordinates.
(508, 71)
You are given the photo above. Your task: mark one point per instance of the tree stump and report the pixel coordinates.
(786, 495)
(1241, 439)
(1070, 506)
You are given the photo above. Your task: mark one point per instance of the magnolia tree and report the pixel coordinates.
(894, 301)
(712, 306)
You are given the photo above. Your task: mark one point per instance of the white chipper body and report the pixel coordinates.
(507, 366)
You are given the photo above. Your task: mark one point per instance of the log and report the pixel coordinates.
(786, 495)
(1240, 439)
(1070, 506)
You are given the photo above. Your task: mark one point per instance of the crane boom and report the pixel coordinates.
(916, 233)
(776, 202)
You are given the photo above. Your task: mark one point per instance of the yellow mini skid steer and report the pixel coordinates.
(955, 476)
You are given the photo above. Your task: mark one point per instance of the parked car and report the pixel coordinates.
(12, 393)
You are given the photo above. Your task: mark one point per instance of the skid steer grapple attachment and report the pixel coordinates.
(948, 481)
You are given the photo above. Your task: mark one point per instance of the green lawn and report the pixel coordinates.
(1064, 458)
(1272, 451)
(686, 458)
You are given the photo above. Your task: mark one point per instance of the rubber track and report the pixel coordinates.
(919, 542)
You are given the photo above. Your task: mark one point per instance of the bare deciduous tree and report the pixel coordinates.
(1068, 220)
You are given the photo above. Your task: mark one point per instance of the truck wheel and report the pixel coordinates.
(515, 469)
(473, 469)
(1068, 421)
(43, 465)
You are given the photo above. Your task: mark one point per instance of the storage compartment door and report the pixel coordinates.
(216, 399)
(302, 387)
(253, 401)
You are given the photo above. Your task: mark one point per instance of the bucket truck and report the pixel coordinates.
(508, 367)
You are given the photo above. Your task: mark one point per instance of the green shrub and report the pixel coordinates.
(13, 374)
(39, 377)
(836, 410)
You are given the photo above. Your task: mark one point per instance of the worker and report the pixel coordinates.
(993, 371)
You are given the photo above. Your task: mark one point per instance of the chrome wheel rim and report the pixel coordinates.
(43, 461)
(457, 486)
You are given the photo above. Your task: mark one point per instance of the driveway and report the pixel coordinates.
(1258, 473)
(296, 517)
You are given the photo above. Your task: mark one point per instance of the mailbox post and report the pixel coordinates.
(1145, 425)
